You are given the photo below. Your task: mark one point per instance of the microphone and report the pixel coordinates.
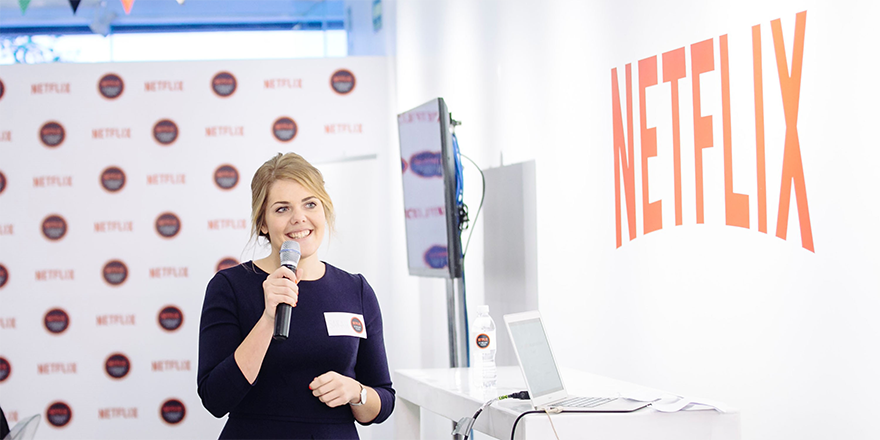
(289, 258)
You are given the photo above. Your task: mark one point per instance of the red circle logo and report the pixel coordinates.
(173, 411)
(54, 227)
(284, 129)
(342, 81)
(2, 89)
(52, 134)
(482, 340)
(115, 272)
(357, 325)
(112, 179)
(168, 225)
(165, 132)
(56, 321)
(110, 86)
(117, 365)
(2, 182)
(226, 263)
(4, 275)
(5, 369)
(170, 318)
(226, 177)
(59, 414)
(223, 84)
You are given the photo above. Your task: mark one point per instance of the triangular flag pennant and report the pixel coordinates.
(127, 5)
(74, 4)
(23, 4)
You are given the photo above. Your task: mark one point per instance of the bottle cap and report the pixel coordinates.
(483, 308)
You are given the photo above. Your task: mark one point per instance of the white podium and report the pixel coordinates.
(447, 392)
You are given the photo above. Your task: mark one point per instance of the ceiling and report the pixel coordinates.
(57, 17)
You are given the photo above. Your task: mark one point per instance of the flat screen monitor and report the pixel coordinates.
(433, 237)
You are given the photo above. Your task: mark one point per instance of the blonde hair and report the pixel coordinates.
(290, 166)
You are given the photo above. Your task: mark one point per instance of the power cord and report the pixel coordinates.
(465, 425)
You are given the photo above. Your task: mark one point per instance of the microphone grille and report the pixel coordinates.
(290, 253)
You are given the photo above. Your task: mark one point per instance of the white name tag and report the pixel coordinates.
(345, 324)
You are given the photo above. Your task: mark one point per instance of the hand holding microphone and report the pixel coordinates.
(290, 255)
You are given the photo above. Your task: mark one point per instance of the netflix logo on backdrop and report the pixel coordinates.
(172, 411)
(54, 275)
(223, 84)
(116, 319)
(165, 132)
(168, 225)
(49, 88)
(111, 86)
(4, 275)
(6, 136)
(54, 227)
(6, 229)
(115, 272)
(171, 365)
(52, 134)
(166, 179)
(674, 70)
(224, 131)
(227, 223)
(115, 133)
(59, 414)
(169, 272)
(114, 226)
(170, 318)
(7, 323)
(342, 81)
(117, 413)
(163, 86)
(117, 366)
(226, 177)
(344, 128)
(226, 263)
(56, 321)
(53, 181)
(113, 179)
(56, 368)
(284, 129)
(282, 83)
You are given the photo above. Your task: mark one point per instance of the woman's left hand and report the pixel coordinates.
(335, 389)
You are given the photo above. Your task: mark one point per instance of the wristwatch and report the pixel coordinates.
(363, 396)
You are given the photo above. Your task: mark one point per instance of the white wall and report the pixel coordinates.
(710, 310)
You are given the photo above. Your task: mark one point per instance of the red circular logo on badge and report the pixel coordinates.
(52, 134)
(357, 325)
(173, 411)
(168, 225)
(59, 414)
(226, 176)
(4, 275)
(54, 227)
(284, 129)
(226, 263)
(482, 340)
(110, 86)
(115, 272)
(5, 369)
(117, 365)
(56, 321)
(342, 81)
(170, 318)
(112, 179)
(223, 84)
(165, 132)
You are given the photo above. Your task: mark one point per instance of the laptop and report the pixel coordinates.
(542, 377)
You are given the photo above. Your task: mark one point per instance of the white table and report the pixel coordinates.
(447, 392)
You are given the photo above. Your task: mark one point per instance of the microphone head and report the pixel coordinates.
(289, 253)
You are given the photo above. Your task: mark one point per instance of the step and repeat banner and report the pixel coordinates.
(123, 188)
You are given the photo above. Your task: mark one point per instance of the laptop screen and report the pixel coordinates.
(535, 357)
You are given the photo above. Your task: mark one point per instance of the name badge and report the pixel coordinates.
(345, 324)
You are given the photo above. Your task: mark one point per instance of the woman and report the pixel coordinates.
(325, 375)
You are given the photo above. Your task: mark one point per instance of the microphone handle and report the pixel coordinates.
(282, 315)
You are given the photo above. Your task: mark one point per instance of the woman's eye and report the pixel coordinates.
(311, 205)
(281, 209)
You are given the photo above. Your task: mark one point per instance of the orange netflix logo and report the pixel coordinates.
(54, 275)
(7, 323)
(227, 223)
(163, 86)
(283, 83)
(57, 368)
(50, 88)
(343, 128)
(169, 272)
(52, 181)
(736, 205)
(166, 179)
(114, 319)
(5, 136)
(224, 130)
(171, 365)
(117, 413)
(6, 229)
(111, 133)
(114, 226)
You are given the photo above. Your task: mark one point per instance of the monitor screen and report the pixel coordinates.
(433, 238)
(535, 357)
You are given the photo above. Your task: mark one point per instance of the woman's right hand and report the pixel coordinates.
(279, 287)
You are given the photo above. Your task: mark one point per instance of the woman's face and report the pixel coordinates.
(294, 213)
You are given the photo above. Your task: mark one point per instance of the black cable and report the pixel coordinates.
(479, 208)
(513, 428)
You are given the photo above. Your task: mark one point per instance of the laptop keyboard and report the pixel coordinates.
(584, 402)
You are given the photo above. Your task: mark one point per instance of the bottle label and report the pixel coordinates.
(483, 340)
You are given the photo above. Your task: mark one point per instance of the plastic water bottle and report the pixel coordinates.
(483, 349)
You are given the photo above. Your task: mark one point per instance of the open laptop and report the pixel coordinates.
(538, 366)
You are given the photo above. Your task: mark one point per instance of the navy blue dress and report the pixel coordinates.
(280, 405)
